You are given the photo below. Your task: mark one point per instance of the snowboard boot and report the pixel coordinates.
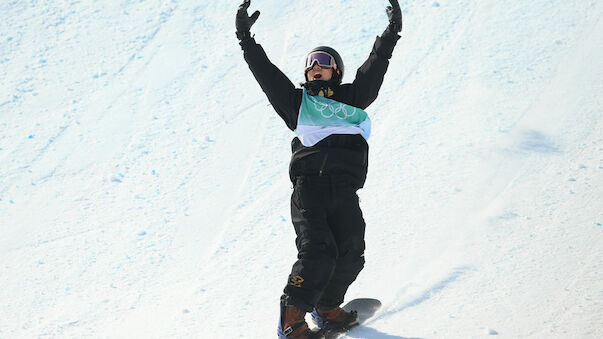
(335, 319)
(293, 325)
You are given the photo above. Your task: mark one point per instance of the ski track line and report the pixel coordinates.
(424, 296)
(234, 201)
(47, 241)
(40, 153)
(150, 39)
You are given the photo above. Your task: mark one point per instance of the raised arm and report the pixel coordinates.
(281, 92)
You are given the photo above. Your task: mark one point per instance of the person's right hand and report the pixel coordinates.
(244, 21)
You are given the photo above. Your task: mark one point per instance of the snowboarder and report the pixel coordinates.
(328, 166)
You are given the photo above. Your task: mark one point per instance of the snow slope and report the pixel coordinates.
(143, 176)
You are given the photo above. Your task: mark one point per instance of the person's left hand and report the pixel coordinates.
(394, 14)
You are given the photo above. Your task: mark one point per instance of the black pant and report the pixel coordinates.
(330, 241)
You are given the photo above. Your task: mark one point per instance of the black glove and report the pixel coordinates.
(244, 22)
(394, 14)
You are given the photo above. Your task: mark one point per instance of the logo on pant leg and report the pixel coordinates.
(296, 281)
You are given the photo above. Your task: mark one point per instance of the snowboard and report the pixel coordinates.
(366, 308)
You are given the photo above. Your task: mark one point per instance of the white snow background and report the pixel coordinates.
(143, 175)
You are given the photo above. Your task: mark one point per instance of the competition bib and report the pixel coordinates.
(320, 117)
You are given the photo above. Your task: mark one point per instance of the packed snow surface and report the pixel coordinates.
(143, 175)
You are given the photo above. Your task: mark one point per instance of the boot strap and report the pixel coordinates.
(294, 327)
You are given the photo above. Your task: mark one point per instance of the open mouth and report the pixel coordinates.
(317, 76)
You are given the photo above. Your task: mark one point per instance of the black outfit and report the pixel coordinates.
(324, 205)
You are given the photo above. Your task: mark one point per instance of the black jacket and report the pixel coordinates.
(337, 154)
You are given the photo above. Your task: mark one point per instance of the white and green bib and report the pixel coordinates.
(320, 117)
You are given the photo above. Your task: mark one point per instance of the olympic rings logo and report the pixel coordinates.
(340, 112)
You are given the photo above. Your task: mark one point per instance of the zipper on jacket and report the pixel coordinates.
(322, 166)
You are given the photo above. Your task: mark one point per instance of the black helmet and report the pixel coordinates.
(338, 70)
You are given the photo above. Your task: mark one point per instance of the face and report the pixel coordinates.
(319, 73)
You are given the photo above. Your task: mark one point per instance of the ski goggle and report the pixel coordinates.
(323, 59)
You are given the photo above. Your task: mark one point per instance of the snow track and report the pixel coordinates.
(143, 174)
